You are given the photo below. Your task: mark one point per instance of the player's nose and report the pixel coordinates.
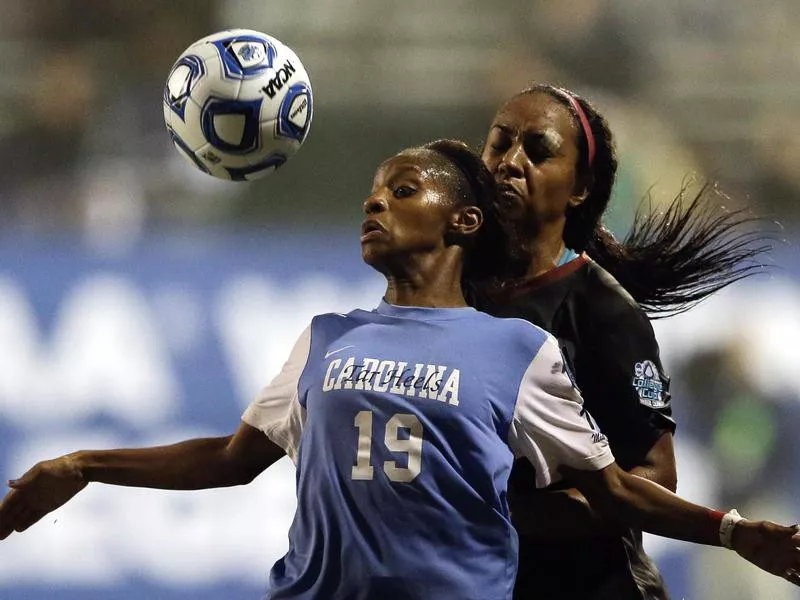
(374, 204)
(511, 162)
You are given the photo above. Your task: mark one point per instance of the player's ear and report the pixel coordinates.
(465, 221)
(583, 187)
(578, 198)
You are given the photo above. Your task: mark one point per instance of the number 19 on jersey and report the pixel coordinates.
(411, 446)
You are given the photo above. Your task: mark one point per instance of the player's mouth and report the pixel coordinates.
(507, 193)
(371, 229)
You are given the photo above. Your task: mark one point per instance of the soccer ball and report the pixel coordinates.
(238, 104)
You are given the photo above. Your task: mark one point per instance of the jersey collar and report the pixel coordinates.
(524, 286)
(421, 313)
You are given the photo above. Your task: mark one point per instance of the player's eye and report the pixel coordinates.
(536, 151)
(498, 143)
(404, 191)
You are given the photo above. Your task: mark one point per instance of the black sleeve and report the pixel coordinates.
(620, 374)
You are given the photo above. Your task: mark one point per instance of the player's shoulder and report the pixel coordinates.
(343, 320)
(519, 333)
(328, 319)
(600, 282)
(333, 324)
(605, 298)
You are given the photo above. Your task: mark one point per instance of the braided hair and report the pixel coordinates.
(475, 187)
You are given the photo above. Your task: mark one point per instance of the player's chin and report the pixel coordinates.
(373, 255)
(511, 207)
(382, 255)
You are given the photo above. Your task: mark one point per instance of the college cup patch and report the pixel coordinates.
(648, 385)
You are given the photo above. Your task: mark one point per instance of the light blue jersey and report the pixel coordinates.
(404, 423)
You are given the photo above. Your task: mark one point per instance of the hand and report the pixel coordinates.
(774, 548)
(44, 488)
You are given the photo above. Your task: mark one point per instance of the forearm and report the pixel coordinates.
(664, 477)
(190, 465)
(643, 504)
(578, 508)
(567, 513)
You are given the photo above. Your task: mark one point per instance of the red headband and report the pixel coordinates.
(587, 130)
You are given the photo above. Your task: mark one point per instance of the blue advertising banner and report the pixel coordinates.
(172, 337)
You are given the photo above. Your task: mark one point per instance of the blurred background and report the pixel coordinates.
(143, 302)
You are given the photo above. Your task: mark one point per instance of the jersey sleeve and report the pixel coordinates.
(277, 410)
(550, 426)
(627, 384)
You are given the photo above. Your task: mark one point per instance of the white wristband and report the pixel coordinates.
(727, 525)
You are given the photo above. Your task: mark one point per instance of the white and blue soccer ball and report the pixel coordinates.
(238, 104)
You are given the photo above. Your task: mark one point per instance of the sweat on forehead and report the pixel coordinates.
(437, 168)
(427, 158)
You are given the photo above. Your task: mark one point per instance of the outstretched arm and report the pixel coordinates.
(638, 502)
(549, 401)
(190, 465)
(567, 514)
(553, 431)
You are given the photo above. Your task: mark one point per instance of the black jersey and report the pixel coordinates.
(609, 342)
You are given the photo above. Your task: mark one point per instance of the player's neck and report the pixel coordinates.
(433, 282)
(401, 295)
(544, 251)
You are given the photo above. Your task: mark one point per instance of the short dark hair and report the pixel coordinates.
(476, 187)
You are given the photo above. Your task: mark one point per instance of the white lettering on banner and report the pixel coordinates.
(104, 356)
(18, 345)
(108, 354)
(106, 351)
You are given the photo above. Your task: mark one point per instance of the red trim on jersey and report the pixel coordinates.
(547, 277)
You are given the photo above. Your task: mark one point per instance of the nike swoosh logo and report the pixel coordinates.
(327, 354)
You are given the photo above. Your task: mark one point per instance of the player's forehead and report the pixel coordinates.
(536, 112)
(419, 163)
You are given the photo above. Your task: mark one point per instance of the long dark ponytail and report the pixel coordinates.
(671, 259)
(676, 257)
